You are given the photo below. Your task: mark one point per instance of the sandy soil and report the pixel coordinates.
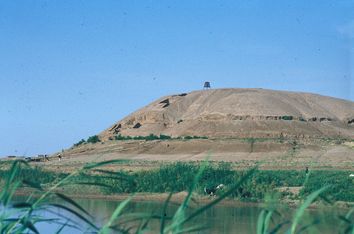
(246, 127)
(142, 155)
(240, 113)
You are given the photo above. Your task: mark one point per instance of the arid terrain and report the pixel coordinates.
(240, 113)
(273, 129)
(268, 155)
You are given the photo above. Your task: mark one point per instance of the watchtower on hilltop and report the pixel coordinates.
(207, 85)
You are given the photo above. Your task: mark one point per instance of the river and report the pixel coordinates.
(219, 219)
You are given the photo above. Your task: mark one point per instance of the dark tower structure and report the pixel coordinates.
(207, 85)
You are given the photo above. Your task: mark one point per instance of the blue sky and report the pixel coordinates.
(69, 69)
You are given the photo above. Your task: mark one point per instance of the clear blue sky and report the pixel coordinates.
(69, 69)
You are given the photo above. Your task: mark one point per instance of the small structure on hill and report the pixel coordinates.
(207, 85)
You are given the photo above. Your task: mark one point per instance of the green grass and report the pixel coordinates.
(285, 117)
(82, 141)
(93, 139)
(153, 137)
(177, 177)
(21, 217)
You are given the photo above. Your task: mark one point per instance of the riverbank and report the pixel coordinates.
(178, 198)
(265, 192)
(97, 180)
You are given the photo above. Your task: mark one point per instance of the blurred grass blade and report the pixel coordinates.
(87, 183)
(179, 217)
(304, 228)
(221, 197)
(300, 211)
(29, 225)
(278, 227)
(62, 228)
(74, 213)
(20, 205)
(260, 222)
(115, 174)
(10, 185)
(115, 215)
(109, 162)
(344, 219)
(263, 221)
(163, 214)
(32, 184)
(128, 218)
(70, 222)
(9, 192)
(72, 202)
(267, 221)
(347, 222)
(143, 225)
(192, 229)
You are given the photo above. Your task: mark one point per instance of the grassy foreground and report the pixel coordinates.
(327, 186)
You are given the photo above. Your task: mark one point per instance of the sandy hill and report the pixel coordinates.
(274, 129)
(240, 113)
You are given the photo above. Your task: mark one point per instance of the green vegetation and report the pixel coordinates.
(22, 217)
(341, 186)
(194, 137)
(82, 141)
(93, 139)
(286, 117)
(165, 137)
(34, 174)
(152, 137)
(177, 177)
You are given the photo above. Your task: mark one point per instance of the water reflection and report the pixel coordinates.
(219, 219)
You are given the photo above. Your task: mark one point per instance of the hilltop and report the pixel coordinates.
(280, 130)
(240, 113)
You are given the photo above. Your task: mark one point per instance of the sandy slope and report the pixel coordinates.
(268, 154)
(291, 131)
(240, 113)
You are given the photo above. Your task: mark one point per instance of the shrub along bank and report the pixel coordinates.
(176, 177)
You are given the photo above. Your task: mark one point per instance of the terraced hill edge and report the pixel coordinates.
(240, 113)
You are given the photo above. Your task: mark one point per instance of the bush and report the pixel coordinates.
(123, 138)
(93, 139)
(194, 137)
(286, 117)
(302, 119)
(35, 174)
(342, 186)
(164, 137)
(82, 141)
(136, 138)
(187, 137)
(151, 137)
